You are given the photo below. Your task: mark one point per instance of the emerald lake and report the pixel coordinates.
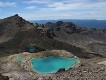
(52, 64)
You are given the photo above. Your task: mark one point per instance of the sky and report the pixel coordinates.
(54, 9)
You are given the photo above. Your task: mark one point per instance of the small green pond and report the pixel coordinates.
(52, 64)
(20, 59)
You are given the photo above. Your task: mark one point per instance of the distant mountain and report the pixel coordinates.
(16, 34)
(83, 23)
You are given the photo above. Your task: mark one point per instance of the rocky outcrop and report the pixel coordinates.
(61, 70)
(4, 77)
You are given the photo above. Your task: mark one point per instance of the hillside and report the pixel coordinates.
(10, 26)
(91, 40)
(16, 34)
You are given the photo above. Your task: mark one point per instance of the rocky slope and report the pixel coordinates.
(91, 40)
(22, 70)
(10, 26)
(16, 34)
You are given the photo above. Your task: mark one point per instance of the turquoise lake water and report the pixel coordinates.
(52, 64)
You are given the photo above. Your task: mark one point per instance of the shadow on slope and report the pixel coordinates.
(22, 39)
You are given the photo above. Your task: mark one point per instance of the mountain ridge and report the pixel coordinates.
(59, 35)
(82, 23)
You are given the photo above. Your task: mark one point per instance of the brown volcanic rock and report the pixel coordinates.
(61, 70)
(4, 77)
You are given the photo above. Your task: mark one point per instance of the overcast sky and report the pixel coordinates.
(54, 9)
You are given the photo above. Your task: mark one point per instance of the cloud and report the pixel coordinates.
(81, 5)
(31, 7)
(55, 9)
(35, 1)
(63, 6)
(56, 5)
(7, 4)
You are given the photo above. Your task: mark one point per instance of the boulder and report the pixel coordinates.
(61, 70)
(4, 77)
